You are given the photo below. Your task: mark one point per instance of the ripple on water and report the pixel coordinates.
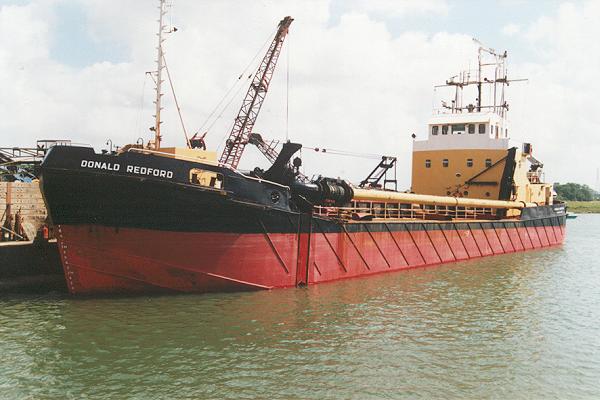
(524, 325)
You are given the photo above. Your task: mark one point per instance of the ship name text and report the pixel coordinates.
(132, 169)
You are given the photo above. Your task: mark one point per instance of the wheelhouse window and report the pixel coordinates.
(444, 129)
(445, 163)
(469, 162)
(481, 129)
(427, 163)
(488, 162)
(435, 129)
(471, 128)
(206, 178)
(458, 129)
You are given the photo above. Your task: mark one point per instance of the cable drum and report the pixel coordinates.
(325, 191)
(335, 190)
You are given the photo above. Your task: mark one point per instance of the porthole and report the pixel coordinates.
(275, 196)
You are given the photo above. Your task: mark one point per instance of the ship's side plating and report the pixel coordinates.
(127, 229)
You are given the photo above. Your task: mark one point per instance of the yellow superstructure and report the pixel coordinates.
(198, 154)
(476, 162)
(468, 152)
(444, 173)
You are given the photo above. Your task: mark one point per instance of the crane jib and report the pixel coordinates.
(244, 121)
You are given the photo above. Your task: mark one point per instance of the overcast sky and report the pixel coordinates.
(361, 73)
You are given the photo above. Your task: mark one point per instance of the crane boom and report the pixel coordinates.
(244, 122)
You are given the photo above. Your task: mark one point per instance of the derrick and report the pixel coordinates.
(244, 121)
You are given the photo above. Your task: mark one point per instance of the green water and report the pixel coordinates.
(517, 326)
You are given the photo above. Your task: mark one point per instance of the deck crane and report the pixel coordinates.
(244, 122)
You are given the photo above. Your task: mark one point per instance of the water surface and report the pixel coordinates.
(525, 325)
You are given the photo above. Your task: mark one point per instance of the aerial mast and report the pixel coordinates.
(479, 78)
(244, 122)
(158, 80)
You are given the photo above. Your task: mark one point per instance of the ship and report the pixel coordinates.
(154, 219)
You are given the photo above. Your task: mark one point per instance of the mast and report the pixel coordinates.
(158, 80)
(498, 81)
(479, 79)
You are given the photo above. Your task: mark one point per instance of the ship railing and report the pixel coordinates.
(398, 211)
(15, 155)
(466, 110)
(32, 155)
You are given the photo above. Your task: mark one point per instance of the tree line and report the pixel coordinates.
(575, 192)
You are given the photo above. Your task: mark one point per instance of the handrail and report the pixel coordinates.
(379, 210)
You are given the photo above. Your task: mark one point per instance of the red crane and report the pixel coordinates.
(244, 122)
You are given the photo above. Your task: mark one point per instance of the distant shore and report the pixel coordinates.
(584, 207)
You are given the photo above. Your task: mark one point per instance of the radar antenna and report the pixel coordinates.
(497, 79)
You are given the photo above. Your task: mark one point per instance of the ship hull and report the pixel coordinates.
(99, 259)
(120, 232)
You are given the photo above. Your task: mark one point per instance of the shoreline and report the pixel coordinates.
(583, 207)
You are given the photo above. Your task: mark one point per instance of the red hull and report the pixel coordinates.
(99, 259)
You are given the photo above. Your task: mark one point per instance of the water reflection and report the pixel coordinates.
(521, 325)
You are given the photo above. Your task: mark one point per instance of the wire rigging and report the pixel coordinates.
(237, 82)
(138, 124)
(337, 152)
(287, 93)
(187, 139)
(323, 150)
(171, 6)
(222, 141)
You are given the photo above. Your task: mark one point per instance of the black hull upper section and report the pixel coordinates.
(77, 194)
(111, 196)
